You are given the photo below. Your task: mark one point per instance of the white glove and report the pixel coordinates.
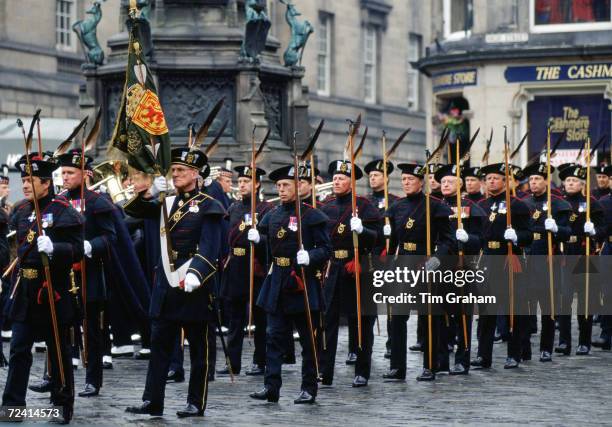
(303, 258)
(159, 184)
(461, 235)
(432, 264)
(87, 248)
(387, 230)
(551, 225)
(510, 235)
(253, 235)
(191, 282)
(589, 228)
(356, 225)
(45, 245)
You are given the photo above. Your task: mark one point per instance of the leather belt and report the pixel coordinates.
(341, 254)
(282, 261)
(239, 251)
(410, 246)
(537, 236)
(29, 273)
(493, 244)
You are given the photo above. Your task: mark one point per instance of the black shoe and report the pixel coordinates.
(65, 417)
(426, 375)
(360, 381)
(545, 357)
(480, 363)
(394, 374)
(511, 363)
(304, 397)
(190, 410)
(177, 377)
(3, 361)
(416, 347)
(225, 371)
(289, 359)
(255, 370)
(582, 350)
(497, 338)
(388, 353)
(42, 387)
(563, 349)
(601, 342)
(107, 365)
(458, 369)
(264, 394)
(351, 359)
(326, 381)
(89, 391)
(142, 355)
(145, 409)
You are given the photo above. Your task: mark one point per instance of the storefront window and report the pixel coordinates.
(577, 15)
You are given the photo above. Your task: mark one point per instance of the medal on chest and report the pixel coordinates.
(292, 223)
(545, 206)
(78, 205)
(502, 208)
(492, 216)
(409, 223)
(47, 220)
(32, 217)
(381, 203)
(193, 207)
(582, 207)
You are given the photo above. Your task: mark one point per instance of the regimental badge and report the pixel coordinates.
(341, 228)
(281, 233)
(343, 168)
(536, 214)
(492, 216)
(293, 223)
(573, 217)
(582, 207)
(177, 216)
(31, 235)
(189, 158)
(410, 223)
(242, 226)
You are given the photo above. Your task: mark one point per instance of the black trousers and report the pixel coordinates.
(279, 325)
(435, 324)
(238, 315)
(163, 341)
(20, 362)
(462, 354)
(398, 338)
(95, 343)
(487, 325)
(177, 358)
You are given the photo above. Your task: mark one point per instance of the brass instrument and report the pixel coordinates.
(108, 174)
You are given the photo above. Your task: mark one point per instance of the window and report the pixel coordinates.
(324, 43)
(370, 64)
(65, 16)
(570, 15)
(414, 54)
(457, 19)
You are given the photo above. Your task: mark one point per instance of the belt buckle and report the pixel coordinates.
(29, 273)
(239, 251)
(282, 261)
(410, 246)
(493, 244)
(341, 254)
(573, 239)
(537, 236)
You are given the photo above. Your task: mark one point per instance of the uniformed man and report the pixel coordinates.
(602, 175)
(194, 230)
(468, 241)
(5, 190)
(225, 179)
(375, 172)
(235, 283)
(283, 294)
(604, 341)
(496, 235)
(408, 233)
(573, 178)
(558, 226)
(61, 242)
(339, 286)
(305, 185)
(100, 237)
(473, 184)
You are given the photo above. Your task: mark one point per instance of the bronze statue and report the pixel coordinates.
(300, 31)
(256, 30)
(85, 30)
(140, 15)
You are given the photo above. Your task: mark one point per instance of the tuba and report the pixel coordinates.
(108, 176)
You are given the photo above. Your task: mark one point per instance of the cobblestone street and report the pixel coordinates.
(569, 391)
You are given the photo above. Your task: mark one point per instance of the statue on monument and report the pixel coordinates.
(139, 11)
(257, 26)
(300, 31)
(85, 31)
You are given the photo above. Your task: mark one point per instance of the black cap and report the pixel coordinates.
(446, 170)
(42, 166)
(576, 171)
(376, 165)
(603, 170)
(285, 172)
(343, 167)
(72, 158)
(433, 167)
(245, 171)
(565, 165)
(412, 169)
(497, 168)
(205, 171)
(473, 171)
(517, 173)
(306, 172)
(537, 169)
(195, 159)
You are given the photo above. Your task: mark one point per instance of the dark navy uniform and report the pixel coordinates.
(407, 218)
(575, 247)
(30, 311)
(537, 267)
(282, 294)
(100, 232)
(605, 340)
(599, 193)
(339, 286)
(235, 284)
(494, 243)
(194, 228)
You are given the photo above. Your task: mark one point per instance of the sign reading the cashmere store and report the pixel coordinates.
(563, 72)
(454, 79)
